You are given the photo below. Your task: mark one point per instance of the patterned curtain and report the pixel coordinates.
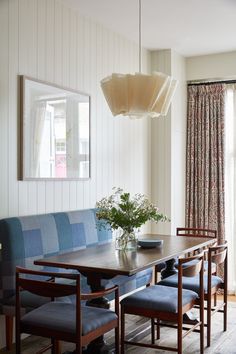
(205, 158)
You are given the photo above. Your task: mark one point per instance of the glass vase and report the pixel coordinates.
(126, 241)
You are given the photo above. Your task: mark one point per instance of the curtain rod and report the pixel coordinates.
(197, 83)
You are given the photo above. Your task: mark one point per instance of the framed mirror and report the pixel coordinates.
(54, 131)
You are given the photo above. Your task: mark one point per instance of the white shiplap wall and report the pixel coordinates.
(47, 40)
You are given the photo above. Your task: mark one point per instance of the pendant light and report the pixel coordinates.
(139, 95)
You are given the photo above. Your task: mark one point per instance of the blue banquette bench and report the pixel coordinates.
(25, 239)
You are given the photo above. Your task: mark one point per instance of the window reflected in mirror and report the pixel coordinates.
(55, 132)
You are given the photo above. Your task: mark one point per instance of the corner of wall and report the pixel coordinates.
(168, 136)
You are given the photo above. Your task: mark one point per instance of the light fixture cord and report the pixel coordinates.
(139, 42)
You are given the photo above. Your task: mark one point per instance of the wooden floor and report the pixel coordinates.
(222, 342)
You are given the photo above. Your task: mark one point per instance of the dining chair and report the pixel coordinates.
(200, 232)
(164, 303)
(58, 320)
(196, 232)
(217, 255)
(191, 232)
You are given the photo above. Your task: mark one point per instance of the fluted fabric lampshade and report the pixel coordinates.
(139, 95)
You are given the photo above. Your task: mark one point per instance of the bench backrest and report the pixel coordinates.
(25, 239)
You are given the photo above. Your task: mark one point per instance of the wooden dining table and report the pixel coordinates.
(105, 262)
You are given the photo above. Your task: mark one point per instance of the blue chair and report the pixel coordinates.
(191, 232)
(58, 320)
(217, 255)
(198, 232)
(164, 303)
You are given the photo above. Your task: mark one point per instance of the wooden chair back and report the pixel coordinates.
(46, 288)
(218, 256)
(193, 270)
(26, 280)
(196, 232)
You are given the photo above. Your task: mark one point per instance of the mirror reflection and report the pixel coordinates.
(56, 132)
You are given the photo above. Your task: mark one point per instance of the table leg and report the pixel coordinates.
(169, 269)
(102, 302)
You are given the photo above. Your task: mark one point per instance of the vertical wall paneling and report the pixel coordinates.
(23, 201)
(66, 195)
(79, 82)
(72, 84)
(94, 87)
(42, 63)
(65, 82)
(48, 40)
(4, 111)
(100, 103)
(105, 118)
(87, 88)
(58, 79)
(124, 152)
(12, 108)
(49, 74)
(32, 70)
(110, 136)
(58, 42)
(116, 123)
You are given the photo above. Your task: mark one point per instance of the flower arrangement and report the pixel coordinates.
(120, 211)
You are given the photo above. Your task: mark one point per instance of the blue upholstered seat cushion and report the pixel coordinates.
(61, 316)
(191, 283)
(159, 298)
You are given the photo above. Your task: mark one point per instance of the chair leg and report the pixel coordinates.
(9, 320)
(158, 329)
(18, 342)
(78, 349)
(225, 310)
(53, 346)
(117, 339)
(215, 299)
(209, 321)
(56, 346)
(202, 328)
(122, 337)
(152, 330)
(180, 338)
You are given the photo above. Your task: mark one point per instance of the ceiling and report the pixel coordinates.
(190, 27)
